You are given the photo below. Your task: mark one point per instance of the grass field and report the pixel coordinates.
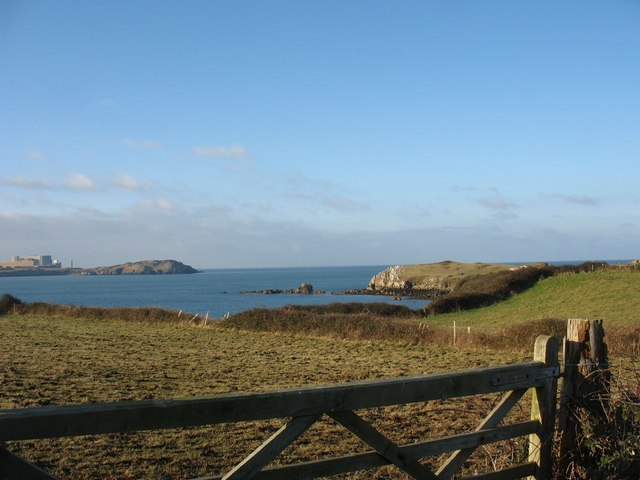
(72, 360)
(611, 295)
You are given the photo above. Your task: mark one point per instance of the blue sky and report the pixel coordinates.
(291, 133)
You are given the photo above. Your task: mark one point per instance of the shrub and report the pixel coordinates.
(608, 445)
(8, 303)
(583, 268)
(520, 335)
(151, 314)
(374, 308)
(624, 341)
(361, 325)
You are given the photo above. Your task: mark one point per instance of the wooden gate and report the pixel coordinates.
(303, 407)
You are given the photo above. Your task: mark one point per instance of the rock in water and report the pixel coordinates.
(305, 288)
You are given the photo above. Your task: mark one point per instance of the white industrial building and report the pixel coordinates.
(33, 261)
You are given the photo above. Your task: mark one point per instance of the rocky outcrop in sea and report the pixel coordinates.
(303, 289)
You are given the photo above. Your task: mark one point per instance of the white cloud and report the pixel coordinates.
(496, 203)
(233, 151)
(236, 156)
(127, 182)
(504, 215)
(212, 237)
(6, 197)
(322, 192)
(463, 188)
(165, 204)
(304, 183)
(10, 215)
(340, 203)
(501, 208)
(158, 204)
(35, 155)
(107, 102)
(75, 181)
(28, 183)
(143, 144)
(79, 182)
(581, 199)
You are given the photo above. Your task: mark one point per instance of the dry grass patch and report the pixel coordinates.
(73, 360)
(450, 270)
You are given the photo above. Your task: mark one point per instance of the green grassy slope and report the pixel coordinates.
(612, 296)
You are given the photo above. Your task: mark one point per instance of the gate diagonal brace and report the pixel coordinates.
(457, 459)
(381, 444)
(270, 449)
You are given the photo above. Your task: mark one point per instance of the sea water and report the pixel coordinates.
(215, 292)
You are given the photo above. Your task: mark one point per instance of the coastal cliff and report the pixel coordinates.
(433, 279)
(391, 278)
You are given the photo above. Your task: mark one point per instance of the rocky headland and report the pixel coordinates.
(423, 281)
(427, 280)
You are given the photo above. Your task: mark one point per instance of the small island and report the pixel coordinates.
(143, 267)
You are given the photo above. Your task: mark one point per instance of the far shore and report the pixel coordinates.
(38, 272)
(143, 267)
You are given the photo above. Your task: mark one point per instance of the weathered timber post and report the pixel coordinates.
(585, 384)
(543, 409)
(454, 333)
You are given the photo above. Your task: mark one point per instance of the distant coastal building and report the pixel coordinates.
(32, 261)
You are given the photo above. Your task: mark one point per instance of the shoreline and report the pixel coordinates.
(145, 267)
(38, 272)
(411, 293)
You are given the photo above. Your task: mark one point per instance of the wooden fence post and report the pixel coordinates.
(543, 408)
(585, 384)
(454, 333)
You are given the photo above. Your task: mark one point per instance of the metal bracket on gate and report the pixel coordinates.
(526, 378)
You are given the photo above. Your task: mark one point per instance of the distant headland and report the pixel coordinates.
(144, 267)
